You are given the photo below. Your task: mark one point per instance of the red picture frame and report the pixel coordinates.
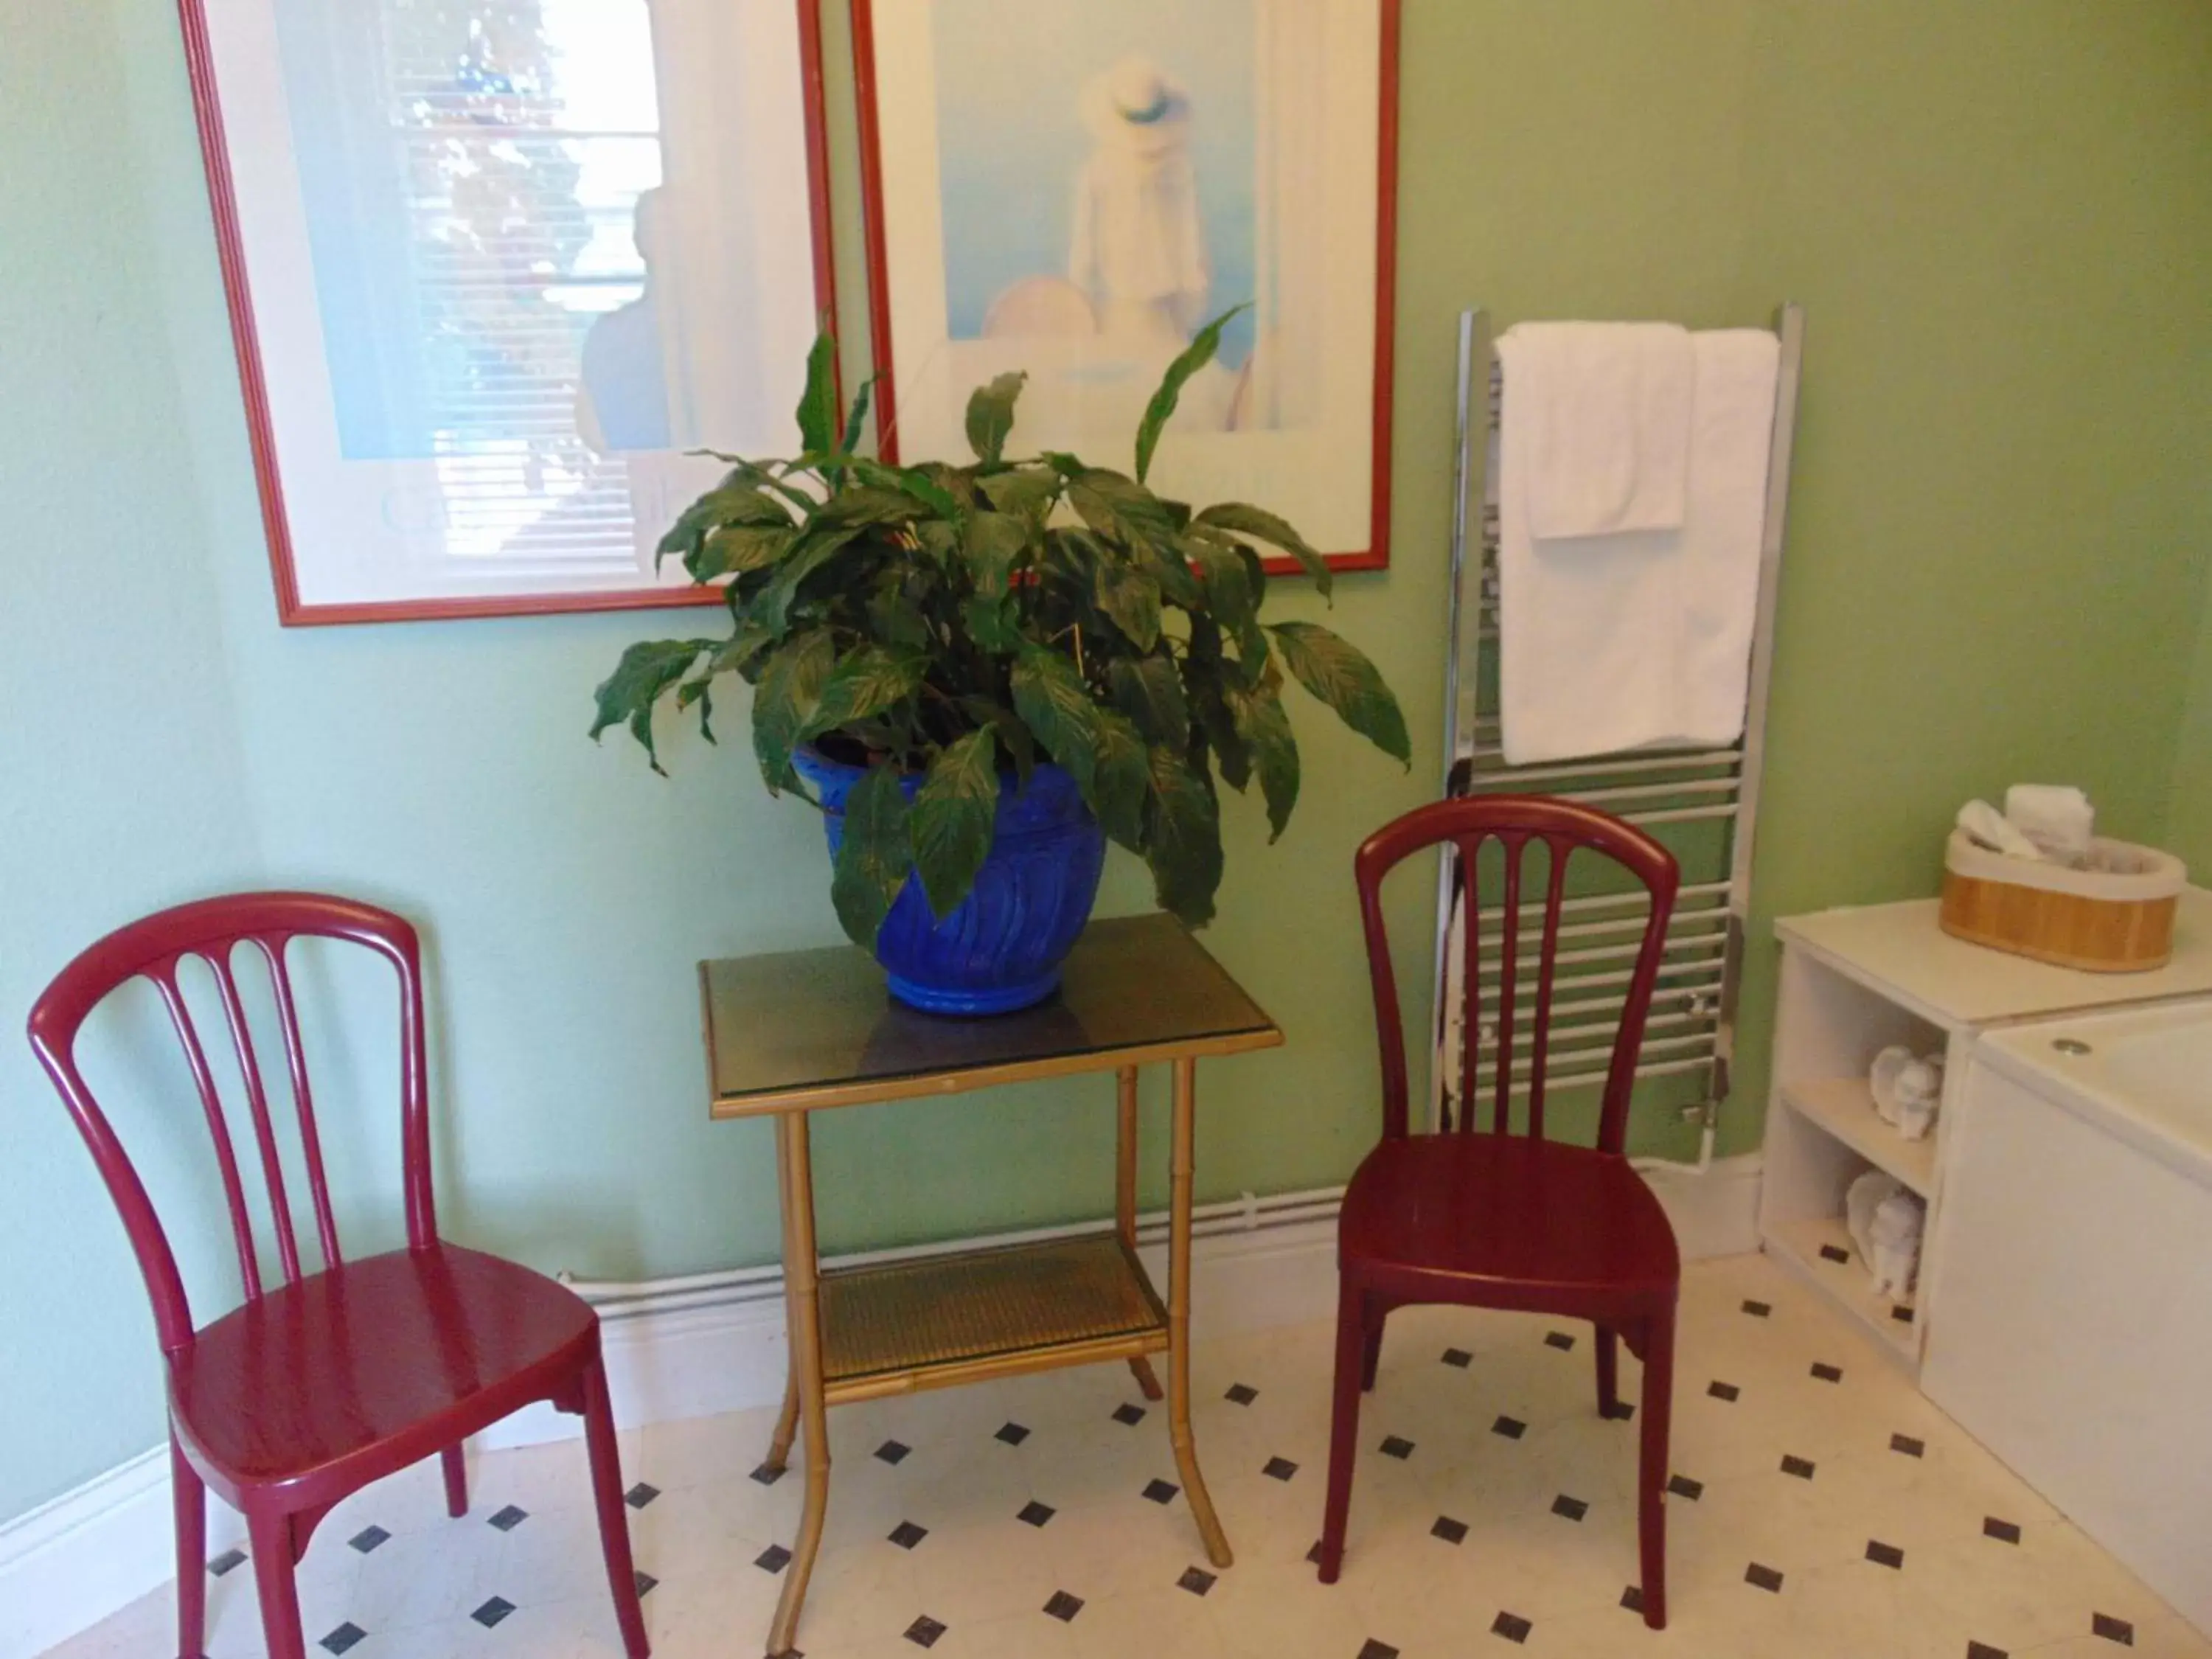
(1376, 555)
(223, 201)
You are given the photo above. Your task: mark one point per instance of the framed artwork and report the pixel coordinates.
(494, 266)
(1071, 188)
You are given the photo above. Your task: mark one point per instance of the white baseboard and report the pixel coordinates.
(715, 1343)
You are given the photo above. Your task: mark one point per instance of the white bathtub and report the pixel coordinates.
(2070, 1327)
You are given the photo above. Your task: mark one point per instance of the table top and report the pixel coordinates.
(802, 1029)
(1901, 950)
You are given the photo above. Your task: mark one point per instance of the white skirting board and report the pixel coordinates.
(715, 1343)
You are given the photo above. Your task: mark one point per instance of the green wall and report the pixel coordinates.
(1994, 210)
(2188, 828)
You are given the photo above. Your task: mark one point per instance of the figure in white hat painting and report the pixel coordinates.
(1137, 247)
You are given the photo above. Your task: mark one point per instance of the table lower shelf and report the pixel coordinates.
(1819, 1252)
(931, 1322)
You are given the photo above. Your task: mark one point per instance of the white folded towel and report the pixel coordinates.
(1627, 641)
(1608, 407)
(2057, 817)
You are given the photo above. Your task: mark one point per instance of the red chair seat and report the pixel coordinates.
(352, 1359)
(1507, 1210)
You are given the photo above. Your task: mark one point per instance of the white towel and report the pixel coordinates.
(1623, 642)
(1607, 406)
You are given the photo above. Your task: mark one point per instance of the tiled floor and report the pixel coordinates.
(1822, 1508)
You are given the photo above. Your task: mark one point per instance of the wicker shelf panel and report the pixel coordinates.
(950, 1310)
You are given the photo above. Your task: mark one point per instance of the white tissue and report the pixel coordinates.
(1990, 828)
(2058, 819)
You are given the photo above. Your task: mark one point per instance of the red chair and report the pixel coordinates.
(1487, 1219)
(310, 1391)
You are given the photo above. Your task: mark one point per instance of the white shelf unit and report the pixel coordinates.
(1855, 981)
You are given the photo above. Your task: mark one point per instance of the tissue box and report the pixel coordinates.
(2116, 918)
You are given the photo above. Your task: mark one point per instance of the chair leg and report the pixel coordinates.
(614, 1514)
(457, 1482)
(1351, 1348)
(1370, 1350)
(189, 1495)
(1651, 1476)
(1608, 1371)
(269, 1537)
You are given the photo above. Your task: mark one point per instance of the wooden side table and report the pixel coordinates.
(791, 1033)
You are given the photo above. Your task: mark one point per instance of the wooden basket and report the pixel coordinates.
(2116, 920)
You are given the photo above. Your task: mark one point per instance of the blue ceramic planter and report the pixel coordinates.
(1001, 950)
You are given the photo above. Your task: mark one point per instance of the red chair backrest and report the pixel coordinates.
(1514, 821)
(213, 930)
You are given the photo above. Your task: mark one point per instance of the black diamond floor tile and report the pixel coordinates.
(1727, 1391)
(1161, 1491)
(1398, 1447)
(1240, 1395)
(1835, 1252)
(1984, 1650)
(1682, 1487)
(1013, 1433)
(1757, 1309)
(1559, 1339)
(1826, 1372)
(1908, 1445)
(1632, 1598)
(906, 1534)
(894, 1452)
(1036, 1514)
(1372, 1649)
(1620, 1411)
(1279, 1468)
(924, 1631)
(1451, 1531)
(2005, 1532)
(1902, 1315)
(640, 1495)
(1196, 1580)
(1064, 1606)
(767, 1475)
(225, 1562)
(1884, 1555)
(1510, 1626)
(1512, 1427)
(1765, 1578)
(1132, 1415)
(368, 1538)
(343, 1638)
(509, 1518)
(2112, 1629)
(1459, 1358)
(774, 1558)
(644, 1581)
(1571, 1509)
(493, 1610)
(1802, 1467)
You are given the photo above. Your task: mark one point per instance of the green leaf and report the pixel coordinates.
(818, 406)
(1254, 521)
(1194, 356)
(1149, 692)
(815, 548)
(991, 416)
(865, 683)
(789, 688)
(1169, 565)
(954, 813)
(993, 541)
(1265, 726)
(869, 505)
(735, 547)
(1029, 493)
(1055, 705)
(1130, 599)
(1119, 771)
(738, 652)
(647, 670)
(1121, 508)
(1183, 839)
(851, 433)
(910, 481)
(1228, 585)
(990, 627)
(1333, 670)
(874, 856)
(701, 692)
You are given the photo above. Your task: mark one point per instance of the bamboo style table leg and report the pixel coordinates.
(803, 1303)
(787, 1421)
(1125, 1201)
(1180, 1169)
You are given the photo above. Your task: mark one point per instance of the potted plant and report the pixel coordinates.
(984, 671)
